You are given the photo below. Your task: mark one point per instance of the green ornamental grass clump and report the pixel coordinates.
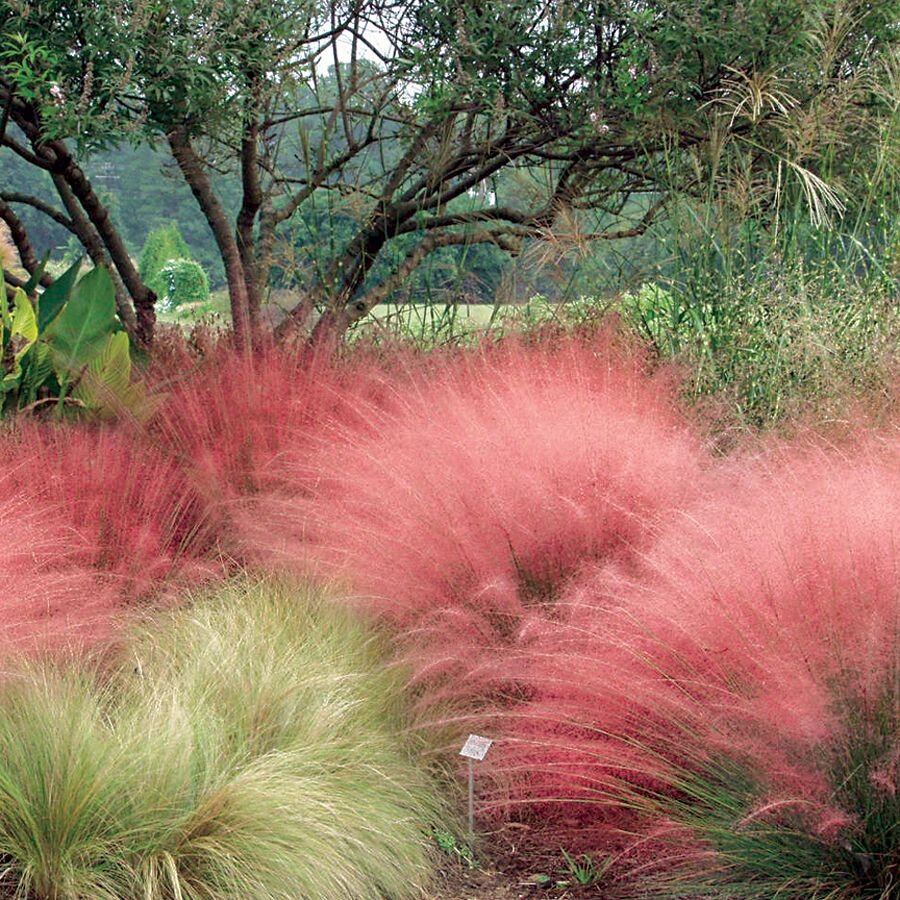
(67, 813)
(244, 748)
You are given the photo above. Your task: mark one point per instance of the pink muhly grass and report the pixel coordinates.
(131, 516)
(747, 671)
(239, 427)
(225, 421)
(459, 508)
(885, 775)
(50, 601)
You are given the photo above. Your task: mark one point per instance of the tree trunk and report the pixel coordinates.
(330, 329)
(22, 243)
(251, 203)
(91, 242)
(90, 221)
(143, 298)
(192, 169)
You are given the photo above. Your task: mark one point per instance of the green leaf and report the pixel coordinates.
(4, 307)
(22, 333)
(11, 381)
(24, 323)
(108, 375)
(35, 279)
(37, 367)
(54, 298)
(80, 331)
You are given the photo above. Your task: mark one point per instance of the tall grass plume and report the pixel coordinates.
(461, 510)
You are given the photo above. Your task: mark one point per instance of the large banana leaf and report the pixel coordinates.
(80, 331)
(35, 279)
(24, 322)
(37, 367)
(107, 377)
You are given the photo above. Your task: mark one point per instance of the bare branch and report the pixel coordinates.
(13, 280)
(639, 229)
(488, 214)
(43, 206)
(20, 238)
(506, 239)
(318, 177)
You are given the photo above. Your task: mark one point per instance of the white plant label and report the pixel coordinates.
(476, 747)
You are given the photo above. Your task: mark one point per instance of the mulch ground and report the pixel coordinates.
(457, 883)
(510, 867)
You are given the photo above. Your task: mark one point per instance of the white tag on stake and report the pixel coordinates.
(476, 747)
(474, 750)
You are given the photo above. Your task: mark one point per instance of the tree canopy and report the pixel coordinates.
(401, 119)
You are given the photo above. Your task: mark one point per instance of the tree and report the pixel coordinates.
(598, 107)
(61, 82)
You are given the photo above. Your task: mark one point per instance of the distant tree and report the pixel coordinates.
(150, 193)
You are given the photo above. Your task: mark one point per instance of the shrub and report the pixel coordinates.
(161, 245)
(739, 692)
(246, 748)
(65, 346)
(775, 323)
(462, 508)
(185, 282)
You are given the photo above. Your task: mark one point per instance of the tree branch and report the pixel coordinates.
(283, 213)
(13, 280)
(42, 206)
(192, 169)
(335, 320)
(636, 231)
(33, 159)
(84, 230)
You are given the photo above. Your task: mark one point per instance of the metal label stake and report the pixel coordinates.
(475, 748)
